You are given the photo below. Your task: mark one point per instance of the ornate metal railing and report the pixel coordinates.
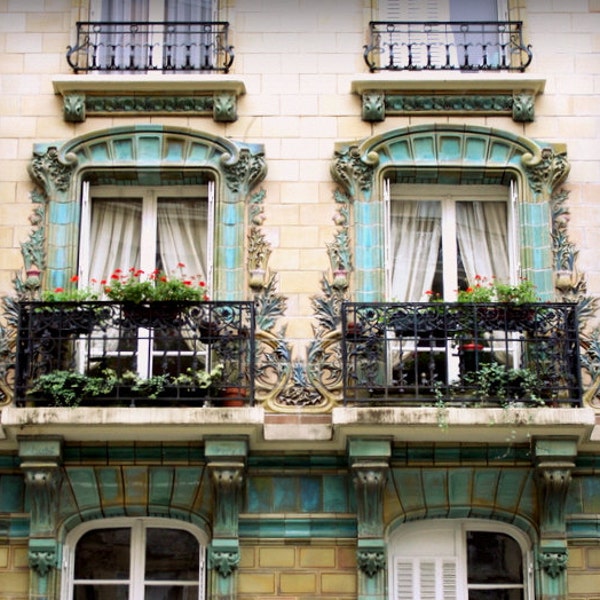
(461, 353)
(470, 46)
(151, 46)
(116, 353)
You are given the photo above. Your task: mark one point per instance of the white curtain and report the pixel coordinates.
(116, 230)
(416, 229)
(481, 228)
(182, 235)
(182, 50)
(118, 47)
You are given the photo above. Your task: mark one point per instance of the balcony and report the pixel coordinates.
(447, 46)
(461, 354)
(143, 47)
(126, 354)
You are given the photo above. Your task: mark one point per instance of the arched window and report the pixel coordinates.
(459, 559)
(134, 559)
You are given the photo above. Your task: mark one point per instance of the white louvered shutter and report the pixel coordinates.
(425, 579)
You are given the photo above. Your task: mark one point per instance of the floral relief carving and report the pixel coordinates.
(553, 563)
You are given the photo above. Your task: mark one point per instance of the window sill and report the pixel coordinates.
(410, 93)
(154, 94)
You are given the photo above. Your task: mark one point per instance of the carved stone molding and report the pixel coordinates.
(352, 172)
(227, 480)
(50, 172)
(40, 463)
(554, 460)
(370, 562)
(553, 563)
(242, 174)
(224, 562)
(150, 94)
(41, 561)
(447, 93)
(546, 173)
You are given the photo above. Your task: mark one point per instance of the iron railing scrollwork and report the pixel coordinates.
(154, 351)
(447, 45)
(193, 47)
(463, 353)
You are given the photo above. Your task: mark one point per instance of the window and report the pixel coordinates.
(123, 46)
(449, 45)
(440, 238)
(459, 560)
(134, 559)
(147, 229)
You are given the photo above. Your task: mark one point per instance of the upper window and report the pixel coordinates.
(458, 560)
(146, 228)
(443, 238)
(134, 559)
(145, 35)
(447, 34)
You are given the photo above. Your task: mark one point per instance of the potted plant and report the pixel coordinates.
(70, 388)
(154, 299)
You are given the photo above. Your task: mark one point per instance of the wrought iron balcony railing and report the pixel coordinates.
(188, 47)
(460, 353)
(128, 354)
(448, 45)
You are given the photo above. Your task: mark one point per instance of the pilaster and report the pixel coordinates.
(369, 463)
(554, 460)
(226, 462)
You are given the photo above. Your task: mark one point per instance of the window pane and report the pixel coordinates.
(182, 236)
(493, 558)
(495, 595)
(103, 554)
(101, 592)
(171, 592)
(171, 554)
(115, 236)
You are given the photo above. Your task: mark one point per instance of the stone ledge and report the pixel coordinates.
(155, 94)
(404, 93)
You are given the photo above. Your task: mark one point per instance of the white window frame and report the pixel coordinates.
(444, 575)
(149, 196)
(449, 195)
(138, 526)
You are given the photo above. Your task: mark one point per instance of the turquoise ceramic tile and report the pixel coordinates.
(187, 482)
(161, 485)
(99, 152)
(499, 152)
(110, 484)
(485, 485)
(198, 153)
(12, 493)
(84, 486)
(424, 147)
(400, 151)
(435, 484)
(409, 484)
(149, 148)
(136, 485)
(174, 150)
(310, 494)
(450, 147)
(475, 149)
(285, 495)
(335, 493)
(123, 150)
(510, 484)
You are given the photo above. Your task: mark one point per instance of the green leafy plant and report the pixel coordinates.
(69, 388)
(135, 286)
(495, 381)
(72, 294)
(493, 290)
(199, 379)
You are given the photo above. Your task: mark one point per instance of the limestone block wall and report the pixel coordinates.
(584, 572)
(297, 572)
(14, 570)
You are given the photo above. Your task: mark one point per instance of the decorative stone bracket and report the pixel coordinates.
(369, 463)
(91, 95)
(226, 462)
(484, 95)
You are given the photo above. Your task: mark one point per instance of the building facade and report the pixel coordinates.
(371, 222)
